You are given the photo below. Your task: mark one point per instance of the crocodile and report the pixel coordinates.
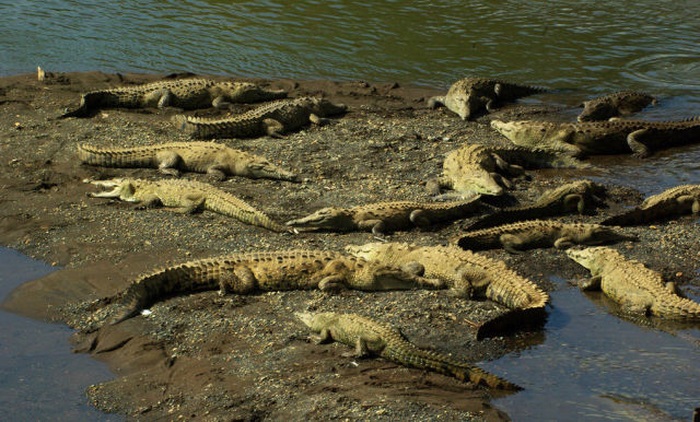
(580, 196)
(246, 273)
(516, 237)
(370, 337)
(217, 160)
(467, 274)
(187, 94)
(475, 168)
(638, 289)
(383, 217)
(617, 104)
(680, 200)
(470, 97)
(188, 196)
(272, 119)
(638, 137)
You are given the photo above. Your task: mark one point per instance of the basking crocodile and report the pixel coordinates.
(272, 119)
(383, 217)
(471, 97)
(638, 289)
(188, 94)
(246, 273)
(467, 274)
(212, 158)
(370, 337)
(621, 103)
(639, 137)
(188, 196)
(579, 196)
(530, 234)
(475, 168)
(680, 200)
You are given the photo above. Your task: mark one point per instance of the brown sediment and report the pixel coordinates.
(233, 357)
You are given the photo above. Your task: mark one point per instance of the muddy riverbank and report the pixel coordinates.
(248, 357)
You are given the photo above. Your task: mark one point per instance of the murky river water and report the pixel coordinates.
(40, 378)
(578, 48)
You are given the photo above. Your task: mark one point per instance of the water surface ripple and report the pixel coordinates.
(578, 48)
(594, 45)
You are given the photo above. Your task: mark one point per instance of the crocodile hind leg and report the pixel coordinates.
(512, 243)
(216, 172)
(420, 219)
(689, 202)
(639, 149)
(168, 161)
(576, 202)
(334, 276)
(193, 203)
(240, 281)
(273, 128)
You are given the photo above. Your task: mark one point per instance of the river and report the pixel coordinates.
(579, 49)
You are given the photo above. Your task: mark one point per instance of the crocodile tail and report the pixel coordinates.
(473, 374)
(227, 204)
(91, 102)
(678, 308)
(158, 285)
(122, 157)
(199, 128)
(504, 217)
(412, 356)
(474, 243)
(628, 218)
(81, 111)
(480, 377)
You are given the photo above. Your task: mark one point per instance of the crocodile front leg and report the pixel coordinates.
(378, 227)
(437, 101)
(591, 284)
(511, 169)
(146, 202)
(435, 185)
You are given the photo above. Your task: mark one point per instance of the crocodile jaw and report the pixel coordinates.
(326, 218)
(268, 170)
(121, 188)
(589, 258)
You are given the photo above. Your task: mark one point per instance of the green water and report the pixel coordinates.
(41, 379)
(594, 46)
(578, 48)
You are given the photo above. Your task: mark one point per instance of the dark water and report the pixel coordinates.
(596, 366)
(593, 45)
(40, 378)
(591, 365)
